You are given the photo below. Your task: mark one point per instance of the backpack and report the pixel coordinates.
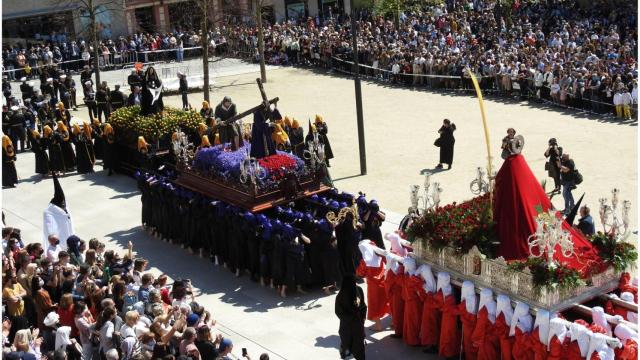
(577, 177)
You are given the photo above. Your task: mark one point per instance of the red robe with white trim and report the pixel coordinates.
(572, 351)
(539, 349)
(468, 325)
(501, 329)
(377, 304)
(521, 349)
(394, 284)
(629, 351)
(557, 349)
(449, 344)
(485, 341)
(412, 309)
(430, 324)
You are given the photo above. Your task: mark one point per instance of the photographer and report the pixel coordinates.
(553, 153)
(567, 168)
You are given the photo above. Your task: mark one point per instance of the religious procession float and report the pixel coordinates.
(276, 215)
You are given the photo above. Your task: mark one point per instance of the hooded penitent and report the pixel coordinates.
(372, 270)
(449, 344)
(279, 136)
(7, 146)
(205, 141)
(57, 217)
(142, 144)
(468, 308)
(47, 131)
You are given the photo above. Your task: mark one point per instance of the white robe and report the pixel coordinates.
(56, 221)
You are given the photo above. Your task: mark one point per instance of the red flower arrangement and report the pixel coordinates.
(460, 226)
(277, 165)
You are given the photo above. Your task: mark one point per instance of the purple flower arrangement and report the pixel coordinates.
(225, 165)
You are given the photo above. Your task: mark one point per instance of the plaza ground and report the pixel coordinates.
(400, 128)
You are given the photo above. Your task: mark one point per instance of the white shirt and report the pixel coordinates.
(395, 69)
(626, 99)
(53, 251)
(617, 99)
(634, 95)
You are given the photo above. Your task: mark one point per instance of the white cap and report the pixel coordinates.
(444, 283)
(15, 108)
(503, 305)
(521, 318)
(63, 76)
(542, 323)
(558, 328)
(429, 280)
(24, 78)
(369, 256)
(51, 319)
(468, 295)
(49, 79)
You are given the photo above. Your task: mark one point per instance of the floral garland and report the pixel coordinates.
(152, 127)
(617, 253)
(460, 226)
(559, 276)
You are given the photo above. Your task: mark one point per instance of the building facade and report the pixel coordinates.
(57, 20)
(46, 20)
(283, 10)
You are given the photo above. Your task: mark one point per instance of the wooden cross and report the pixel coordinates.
(264, 106)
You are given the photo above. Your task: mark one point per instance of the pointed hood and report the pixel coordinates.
(572, 215)
(58, 195)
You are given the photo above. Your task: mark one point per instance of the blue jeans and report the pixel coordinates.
(569, 203)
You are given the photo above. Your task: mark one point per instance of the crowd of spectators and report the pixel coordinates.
(556, 51)
(552, 50)
(30, 58)
(76, 300)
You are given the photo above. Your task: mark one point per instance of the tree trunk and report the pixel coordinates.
(94, 41)
(205, 49)
(263, 70)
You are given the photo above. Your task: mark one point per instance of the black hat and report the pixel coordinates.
(58, 195)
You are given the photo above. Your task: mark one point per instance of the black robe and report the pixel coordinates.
(68, 154)
(9, 173)
(110, 158)
(262, 144)
(372, 230)
(227, 132)
(297, 271)
(297, 141)
(253, 247)
(351, 309)
(56, 159)
(39, 148)
(98, 142)
(323, 130)
(326, 257)
(278, 259)
(84, 154)
(447, 142)
(348, 239)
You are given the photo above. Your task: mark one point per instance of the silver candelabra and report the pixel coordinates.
(431, 197)
(609, 218)
(479, 185)
(250, 169)
(549, 234)
(182, 147)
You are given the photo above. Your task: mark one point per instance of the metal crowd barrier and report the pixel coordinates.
(111, 61)
(524, 90)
